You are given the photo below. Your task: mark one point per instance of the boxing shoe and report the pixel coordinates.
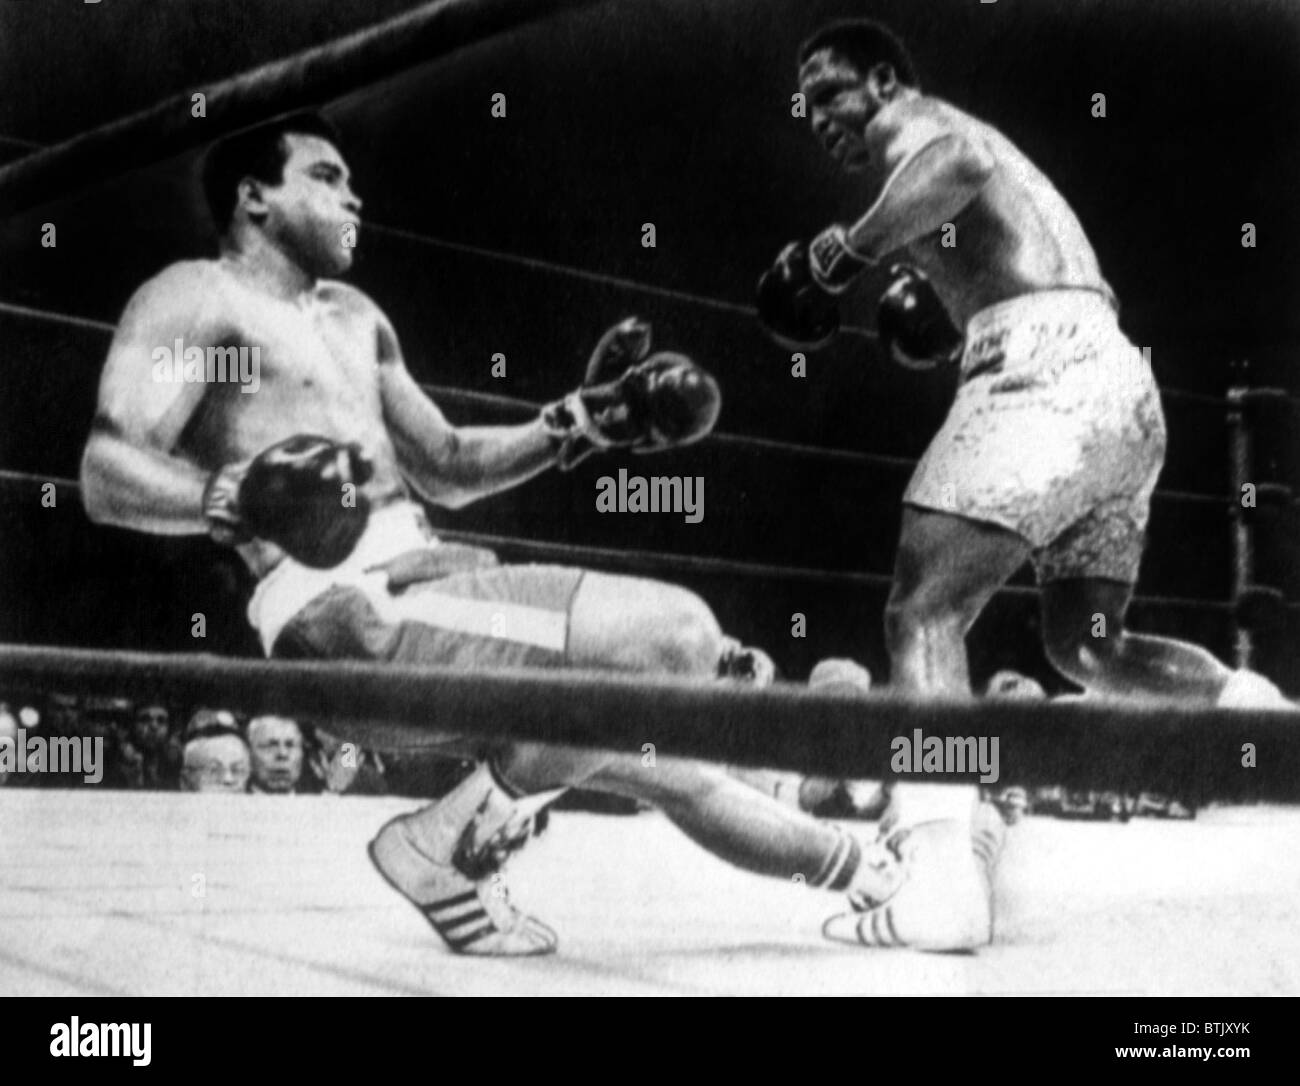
(1250, 690)
(446, 860)
(1011, 803)
(944, 901)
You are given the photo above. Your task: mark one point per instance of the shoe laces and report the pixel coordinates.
(880, 857)
(479, 860)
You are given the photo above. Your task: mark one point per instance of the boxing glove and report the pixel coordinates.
(798, 295)
(302, 494)
(632, 399)
(913, 325)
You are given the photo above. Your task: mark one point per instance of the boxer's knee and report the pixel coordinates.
(634, 624)
(683, 636)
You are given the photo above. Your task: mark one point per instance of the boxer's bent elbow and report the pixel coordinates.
(94, 482)
(100, 481)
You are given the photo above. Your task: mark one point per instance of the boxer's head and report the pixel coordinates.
(288, 180)
(848, 72)
(276, 743)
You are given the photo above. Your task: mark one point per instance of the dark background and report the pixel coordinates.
(675, 112)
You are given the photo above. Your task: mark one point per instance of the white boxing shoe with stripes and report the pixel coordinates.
(446, 860)
(945, 899)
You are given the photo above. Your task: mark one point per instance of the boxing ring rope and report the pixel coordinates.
(304, 80)
(472, 398)
(664, 562)
(1196, 753)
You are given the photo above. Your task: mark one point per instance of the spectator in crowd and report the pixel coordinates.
(62, 715)
(338, 766)
(205, 718)
(1008, 685)
(106, 722)
(152, 751)
(277, 754)
(64, 719)
(215, 759)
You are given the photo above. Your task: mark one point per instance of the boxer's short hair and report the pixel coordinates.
(864, 43)
(259, 152)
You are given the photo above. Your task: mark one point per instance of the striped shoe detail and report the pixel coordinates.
(876, 928)
(450, 919)
(986, 846)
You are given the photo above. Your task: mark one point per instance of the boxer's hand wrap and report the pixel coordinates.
(914, 327)
(630, 400)
(293, 495)
(833, 262)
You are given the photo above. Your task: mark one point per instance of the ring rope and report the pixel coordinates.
(447, 393)
(587, 275)
(1168, 747)
(646, 561)
(320, 74)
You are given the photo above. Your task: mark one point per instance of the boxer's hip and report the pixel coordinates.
(1057, 413)
(397, 548)
(1047, 333)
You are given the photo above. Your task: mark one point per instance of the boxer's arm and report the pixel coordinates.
(933, 173)
(453, 465)
(130, 474)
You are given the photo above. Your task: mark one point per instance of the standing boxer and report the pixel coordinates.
(1053, 445)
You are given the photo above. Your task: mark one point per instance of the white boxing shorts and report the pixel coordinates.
(1056, 434)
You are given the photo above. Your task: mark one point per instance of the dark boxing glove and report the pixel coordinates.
(913, 324)
(798, 295)
(292, 494)
(632, 399)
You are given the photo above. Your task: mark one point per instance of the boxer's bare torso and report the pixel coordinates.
(328, 363)
(924, 164)
(1016, 236)
(319, 358)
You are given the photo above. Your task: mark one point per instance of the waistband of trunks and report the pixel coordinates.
(1057, 304)
(391, 533)
(989, 332)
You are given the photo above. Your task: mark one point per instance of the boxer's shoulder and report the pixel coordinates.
(352, 300)
(925, 112)
(178, 283)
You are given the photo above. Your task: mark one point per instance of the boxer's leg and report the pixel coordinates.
(1086, 640)
(636, 624)
(947, 569)
(620, 624)
(749, 829)
(1087, 579)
